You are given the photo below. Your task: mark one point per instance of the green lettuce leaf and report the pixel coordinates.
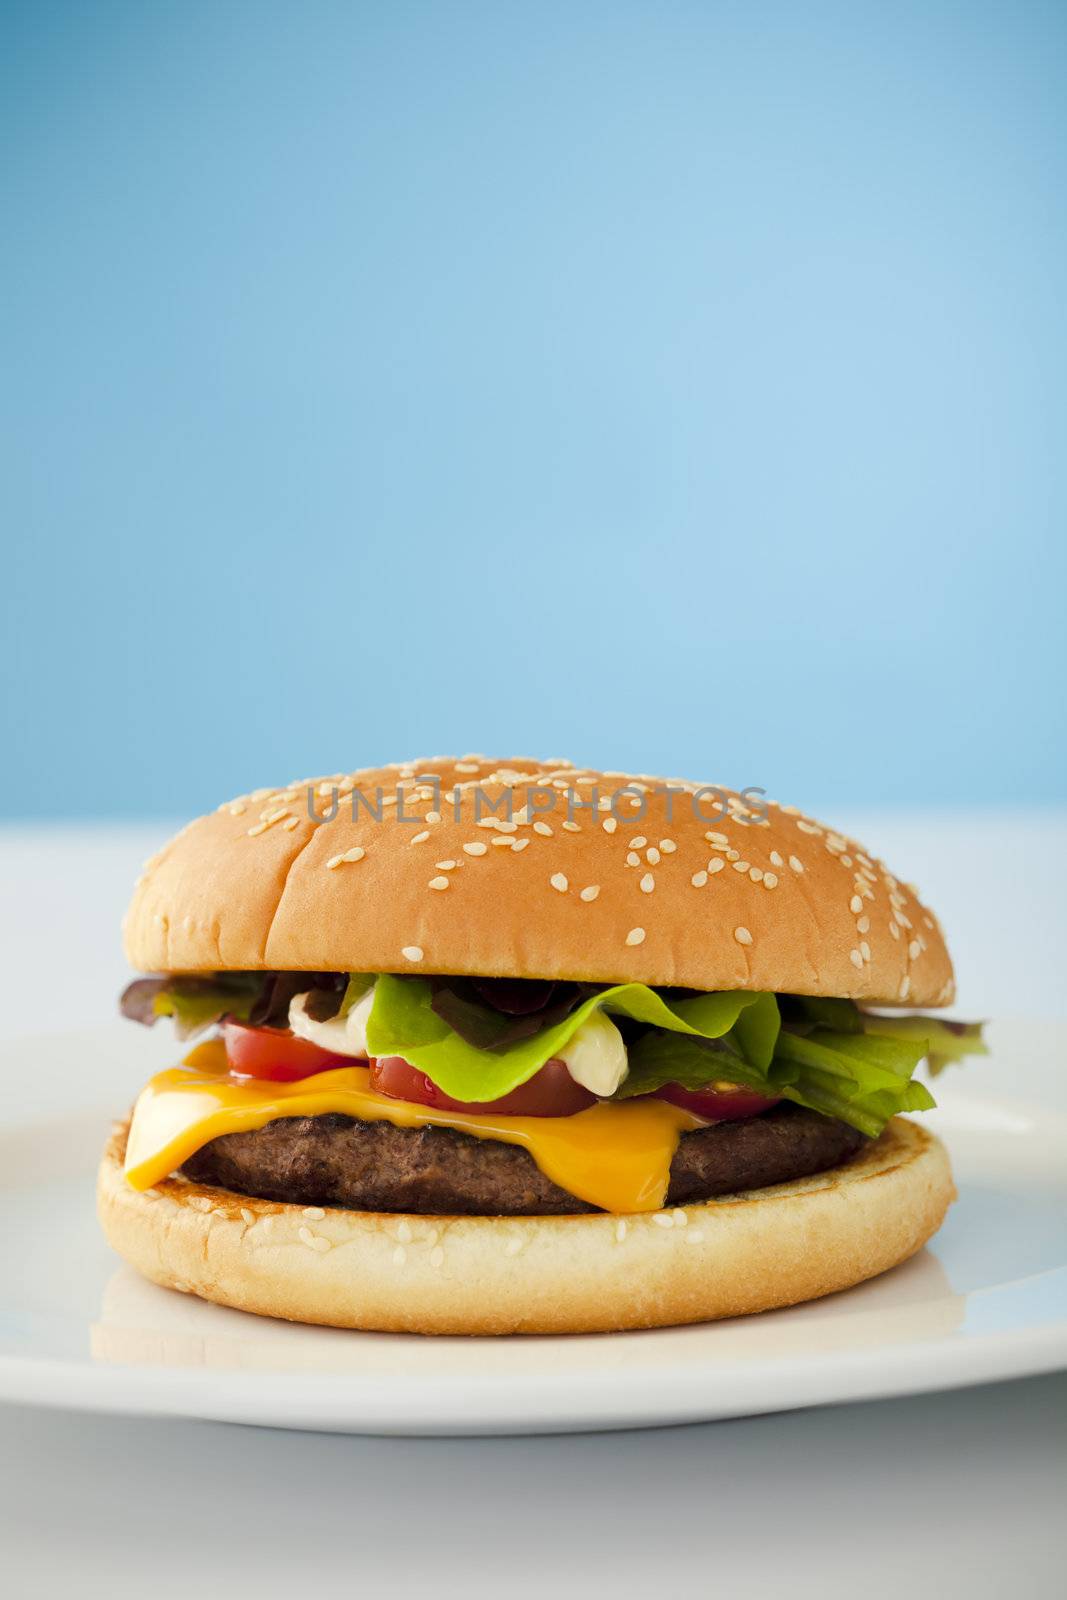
(861, 1081)
(944, 1042)
(403, 1023)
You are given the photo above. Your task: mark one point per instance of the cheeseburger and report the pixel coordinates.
(518, 1047)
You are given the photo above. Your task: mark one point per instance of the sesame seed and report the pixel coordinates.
(260, 827)
(668, 846)
(439, 883)
(716, 866)
(756, 874)
(477, 848)
(856, 958)
(663, 1219)
(248, 1217)
(740, 866)
(433, 816)
(770, 880)
(316, 1213)
(680, 1218)
(633, 859)
(591, 892)
(609, 824)
(519, 844)
(293, 822)
(913, 949)
(648, 883)
(543, 829)
(506, 840)
(776, 860)
(742, 936)
(863, 925)
(807, 827)
(446, 866)
(421, 838)
(698, 880)
(403, 1231)
(355, 854)
(571, 827)
(865, 950)
(638, 842)
(905, 985)
(716, 838)
(466, 766)
(894, 930)
(411, 952)
(558, 881)
(855, 905)
(652, 856)
(797, 866)
(622, 1227)
(636, 936)
(733, 855)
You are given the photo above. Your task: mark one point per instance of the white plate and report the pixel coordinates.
(987, 1300)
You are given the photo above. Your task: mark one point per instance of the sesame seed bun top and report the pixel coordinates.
(535, 870)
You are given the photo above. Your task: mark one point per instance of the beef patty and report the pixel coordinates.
(335, 1160)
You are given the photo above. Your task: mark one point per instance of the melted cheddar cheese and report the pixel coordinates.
(615, 1156)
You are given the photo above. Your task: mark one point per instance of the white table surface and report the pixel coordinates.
(954, 1494)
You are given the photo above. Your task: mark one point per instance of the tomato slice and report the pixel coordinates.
(552, 1092)
(718, 1105)
(275, 1053)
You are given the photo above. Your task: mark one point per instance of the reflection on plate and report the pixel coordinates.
(143, 1325)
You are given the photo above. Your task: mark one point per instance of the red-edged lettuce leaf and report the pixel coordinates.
(196, 1001)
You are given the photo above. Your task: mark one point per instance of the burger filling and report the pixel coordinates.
(510, 1096)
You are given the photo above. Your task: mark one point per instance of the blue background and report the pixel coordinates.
(673, 386)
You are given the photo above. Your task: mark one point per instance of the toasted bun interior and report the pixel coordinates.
(526, 870)
(578, 1274)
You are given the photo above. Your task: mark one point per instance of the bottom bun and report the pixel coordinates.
(745, 1252)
